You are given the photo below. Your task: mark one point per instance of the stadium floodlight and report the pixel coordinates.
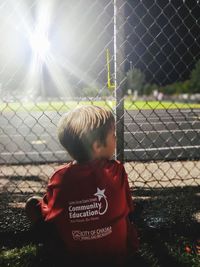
(40, 44)
(38, 36)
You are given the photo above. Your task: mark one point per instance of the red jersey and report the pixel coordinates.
(89, 204)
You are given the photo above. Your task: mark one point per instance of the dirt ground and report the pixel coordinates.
(33, 178)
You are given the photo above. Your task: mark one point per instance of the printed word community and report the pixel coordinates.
(84, 210)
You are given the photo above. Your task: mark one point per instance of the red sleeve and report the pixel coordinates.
(51, 204)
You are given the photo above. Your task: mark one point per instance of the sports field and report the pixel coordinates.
(152, 130)
(66, 105)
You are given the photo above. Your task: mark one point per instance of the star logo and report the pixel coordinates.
(100, 194)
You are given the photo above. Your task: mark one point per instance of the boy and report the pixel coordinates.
(88, 200)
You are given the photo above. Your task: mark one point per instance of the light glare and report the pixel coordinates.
(39, 44)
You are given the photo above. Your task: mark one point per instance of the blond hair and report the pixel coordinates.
(80, 128)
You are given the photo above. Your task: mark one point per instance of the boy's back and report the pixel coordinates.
(88, 203)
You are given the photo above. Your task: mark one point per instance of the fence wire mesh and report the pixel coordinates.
(139, 58)
(160, 51)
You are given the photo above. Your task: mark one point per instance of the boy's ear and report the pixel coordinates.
(96, 147)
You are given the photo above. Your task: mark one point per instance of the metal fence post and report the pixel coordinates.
(119, 77)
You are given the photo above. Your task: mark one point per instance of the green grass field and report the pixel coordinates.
(65, 106)
(177, 251)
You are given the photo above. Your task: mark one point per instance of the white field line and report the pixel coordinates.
(164, 112)
(26, 136)
(184, 110)
(25, 126)
(143, 121)
(128, 122)
(44, 136)
(180, 123)
(141, 118)
(161, 148)
(21, 153)
(164, 131)
(163, 119)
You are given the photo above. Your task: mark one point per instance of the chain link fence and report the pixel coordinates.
(138, 58)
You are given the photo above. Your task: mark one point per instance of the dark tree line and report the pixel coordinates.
(136, 82)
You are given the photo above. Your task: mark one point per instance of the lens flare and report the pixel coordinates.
(39, 44)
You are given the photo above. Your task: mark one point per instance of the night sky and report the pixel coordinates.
(163, 38)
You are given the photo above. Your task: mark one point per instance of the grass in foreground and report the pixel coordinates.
(67, 105)
(178, 251)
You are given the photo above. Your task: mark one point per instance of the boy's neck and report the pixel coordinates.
(75, 162)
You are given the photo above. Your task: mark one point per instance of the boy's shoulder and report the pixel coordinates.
(113, 165)
(105, 163)
(61, 170)
(109, 165)
(114, 162)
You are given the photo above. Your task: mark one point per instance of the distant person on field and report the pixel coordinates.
(88, 201)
